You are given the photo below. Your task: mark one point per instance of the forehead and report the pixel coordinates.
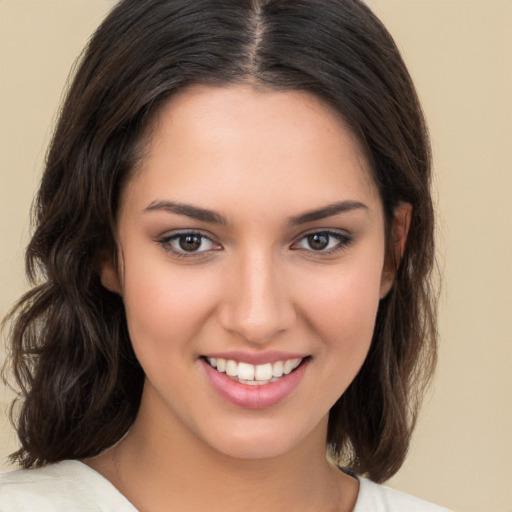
(240, 141)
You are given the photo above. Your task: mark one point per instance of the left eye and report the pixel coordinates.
(323, 241)
(184, 243)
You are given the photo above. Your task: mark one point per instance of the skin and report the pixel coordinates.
(258, 158)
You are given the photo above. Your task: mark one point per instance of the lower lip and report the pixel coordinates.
(254, 397)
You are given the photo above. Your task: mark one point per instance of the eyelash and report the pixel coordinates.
(167, 241)
(343, 241)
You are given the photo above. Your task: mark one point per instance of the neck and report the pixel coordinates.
(162, 462)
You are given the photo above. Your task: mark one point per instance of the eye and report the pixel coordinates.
(188, 243)
(323, 241)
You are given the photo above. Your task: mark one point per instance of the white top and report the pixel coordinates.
(72, 486)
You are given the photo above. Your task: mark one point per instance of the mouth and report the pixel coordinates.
(270, 380)
(254, 374)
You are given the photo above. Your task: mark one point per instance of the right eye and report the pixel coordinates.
(188, 243)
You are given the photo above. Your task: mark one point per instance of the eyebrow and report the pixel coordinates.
(193, 212)
(327, 211)
(212, 217)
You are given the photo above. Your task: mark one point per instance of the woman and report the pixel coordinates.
(233, 243)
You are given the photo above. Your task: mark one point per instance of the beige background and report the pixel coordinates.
(460, 55)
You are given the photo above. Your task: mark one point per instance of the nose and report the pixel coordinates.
(256, 304)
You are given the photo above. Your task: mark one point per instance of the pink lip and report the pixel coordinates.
(256, 357)
(254, 397)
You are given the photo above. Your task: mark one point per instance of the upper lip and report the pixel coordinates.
(256, 358)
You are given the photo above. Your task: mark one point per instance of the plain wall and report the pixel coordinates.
(460, 55)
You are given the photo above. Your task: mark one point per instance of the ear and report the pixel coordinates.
(107, 271)
(399, 232)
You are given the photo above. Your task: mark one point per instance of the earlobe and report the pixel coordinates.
(108, 273)
(386, 283)
(399, 232)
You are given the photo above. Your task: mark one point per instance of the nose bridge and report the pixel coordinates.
(257, 306)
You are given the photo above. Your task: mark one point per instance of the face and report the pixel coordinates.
(252, 250)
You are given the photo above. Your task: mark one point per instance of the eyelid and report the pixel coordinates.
(344, 238)
(166, 239)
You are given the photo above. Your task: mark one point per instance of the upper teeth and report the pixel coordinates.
(258, 373)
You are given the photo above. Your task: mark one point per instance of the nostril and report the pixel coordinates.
(257, 326)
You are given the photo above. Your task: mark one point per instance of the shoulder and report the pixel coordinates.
(379, 498)
(68, 485)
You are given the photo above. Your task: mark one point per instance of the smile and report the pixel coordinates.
(271, 380)
(254, 375)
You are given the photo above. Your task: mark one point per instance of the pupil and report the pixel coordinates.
(318, 241)
(190, 242)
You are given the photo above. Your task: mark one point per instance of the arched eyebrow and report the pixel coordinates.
(193, 212)
(327, 211)
(213, 217)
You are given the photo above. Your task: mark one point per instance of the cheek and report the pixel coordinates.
(342, 320)
(165, 304)
(342, 305)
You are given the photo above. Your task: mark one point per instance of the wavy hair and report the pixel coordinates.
(70, 353)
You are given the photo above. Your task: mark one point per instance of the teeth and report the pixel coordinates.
(231, 368)
(254, 374)
(278, 369)
(290, 365)
(263, 372)
(246, 371)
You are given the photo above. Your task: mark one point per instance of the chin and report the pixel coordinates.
(260, 441)
(254, 449)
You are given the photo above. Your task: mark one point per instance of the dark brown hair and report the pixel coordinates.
(71, 354)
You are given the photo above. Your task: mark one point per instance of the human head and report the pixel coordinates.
(143, 53)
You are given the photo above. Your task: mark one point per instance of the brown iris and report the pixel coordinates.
(190, 242)
(318, 241)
